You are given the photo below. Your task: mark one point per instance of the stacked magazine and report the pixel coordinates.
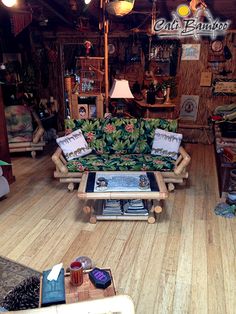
(134, 207)
(112, 207)
(127, 207)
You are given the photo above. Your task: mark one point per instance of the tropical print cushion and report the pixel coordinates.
(92, 131)
(19, 123)
(117, 162)
(91, 162)
(121, 135)
(147, 132)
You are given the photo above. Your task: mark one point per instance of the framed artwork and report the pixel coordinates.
(224, 87)
(92, 111)
(189, 107)
(206, 79)
(191, 51)
(83, 111)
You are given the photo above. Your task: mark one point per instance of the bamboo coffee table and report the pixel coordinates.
(92, 200)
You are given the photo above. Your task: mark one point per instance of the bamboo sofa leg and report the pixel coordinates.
(71, 187)
(170, 187)
(33, 154)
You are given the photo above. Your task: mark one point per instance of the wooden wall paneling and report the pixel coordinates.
(189, 84)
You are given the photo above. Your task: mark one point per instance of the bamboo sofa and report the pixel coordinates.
(120, 144)
(24, 130)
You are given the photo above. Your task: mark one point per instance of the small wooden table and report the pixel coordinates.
(93, 203)
(148, 107)
(87, 291)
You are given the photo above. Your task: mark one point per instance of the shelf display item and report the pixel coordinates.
(91, 74)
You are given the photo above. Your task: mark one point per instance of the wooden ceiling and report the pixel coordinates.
(60, 13)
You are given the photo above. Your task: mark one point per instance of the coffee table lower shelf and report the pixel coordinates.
(94, 199)
(94, 209)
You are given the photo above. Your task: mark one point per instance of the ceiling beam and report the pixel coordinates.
(59, 15)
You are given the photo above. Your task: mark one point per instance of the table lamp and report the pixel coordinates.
(120, 89)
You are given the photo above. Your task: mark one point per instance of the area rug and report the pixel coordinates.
(19, 285)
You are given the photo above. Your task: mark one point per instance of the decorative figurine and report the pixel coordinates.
(88, 46)
(143, 182)
(102, 183)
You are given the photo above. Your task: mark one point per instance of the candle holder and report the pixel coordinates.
(168, 100)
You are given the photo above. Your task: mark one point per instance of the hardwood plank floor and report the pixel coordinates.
(185, 263)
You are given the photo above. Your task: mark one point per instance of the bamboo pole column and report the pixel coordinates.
(106, 29)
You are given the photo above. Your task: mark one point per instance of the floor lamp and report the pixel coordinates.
(105, 26)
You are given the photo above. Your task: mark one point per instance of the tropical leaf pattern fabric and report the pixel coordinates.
(121, 135)
(92, 131)
(117, 162)
(147, 132)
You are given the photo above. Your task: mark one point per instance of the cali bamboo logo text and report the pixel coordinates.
(182, 25)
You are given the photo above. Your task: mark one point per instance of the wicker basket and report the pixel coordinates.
(119, 8)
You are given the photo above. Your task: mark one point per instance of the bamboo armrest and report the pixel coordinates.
(39, 131)
(37, 135)
(182, 161)
(59, 160)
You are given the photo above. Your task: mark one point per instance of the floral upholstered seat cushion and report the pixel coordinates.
(19, 124)
(117, 162)
(121, 136)
(92, 131)
(147, 132)
(91, 162)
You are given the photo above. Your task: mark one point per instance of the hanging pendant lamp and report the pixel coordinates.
(119, 7)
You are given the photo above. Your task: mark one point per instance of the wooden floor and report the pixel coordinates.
(185, 263)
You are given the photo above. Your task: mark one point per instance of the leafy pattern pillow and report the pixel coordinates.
(92, 131)
(121, 135)
(147, 132)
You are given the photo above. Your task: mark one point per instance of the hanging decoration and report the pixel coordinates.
(73, 5)
(119, 7)
(88, 46)
(195, 4)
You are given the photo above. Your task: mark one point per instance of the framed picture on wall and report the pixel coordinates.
(225, 87)
(190, 52)
(92, 111)
(83, 111)
(189, 107)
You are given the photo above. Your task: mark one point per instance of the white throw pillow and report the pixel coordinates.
(74, 145)
(166, 143)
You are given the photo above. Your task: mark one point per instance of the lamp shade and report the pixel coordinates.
(120, 89)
